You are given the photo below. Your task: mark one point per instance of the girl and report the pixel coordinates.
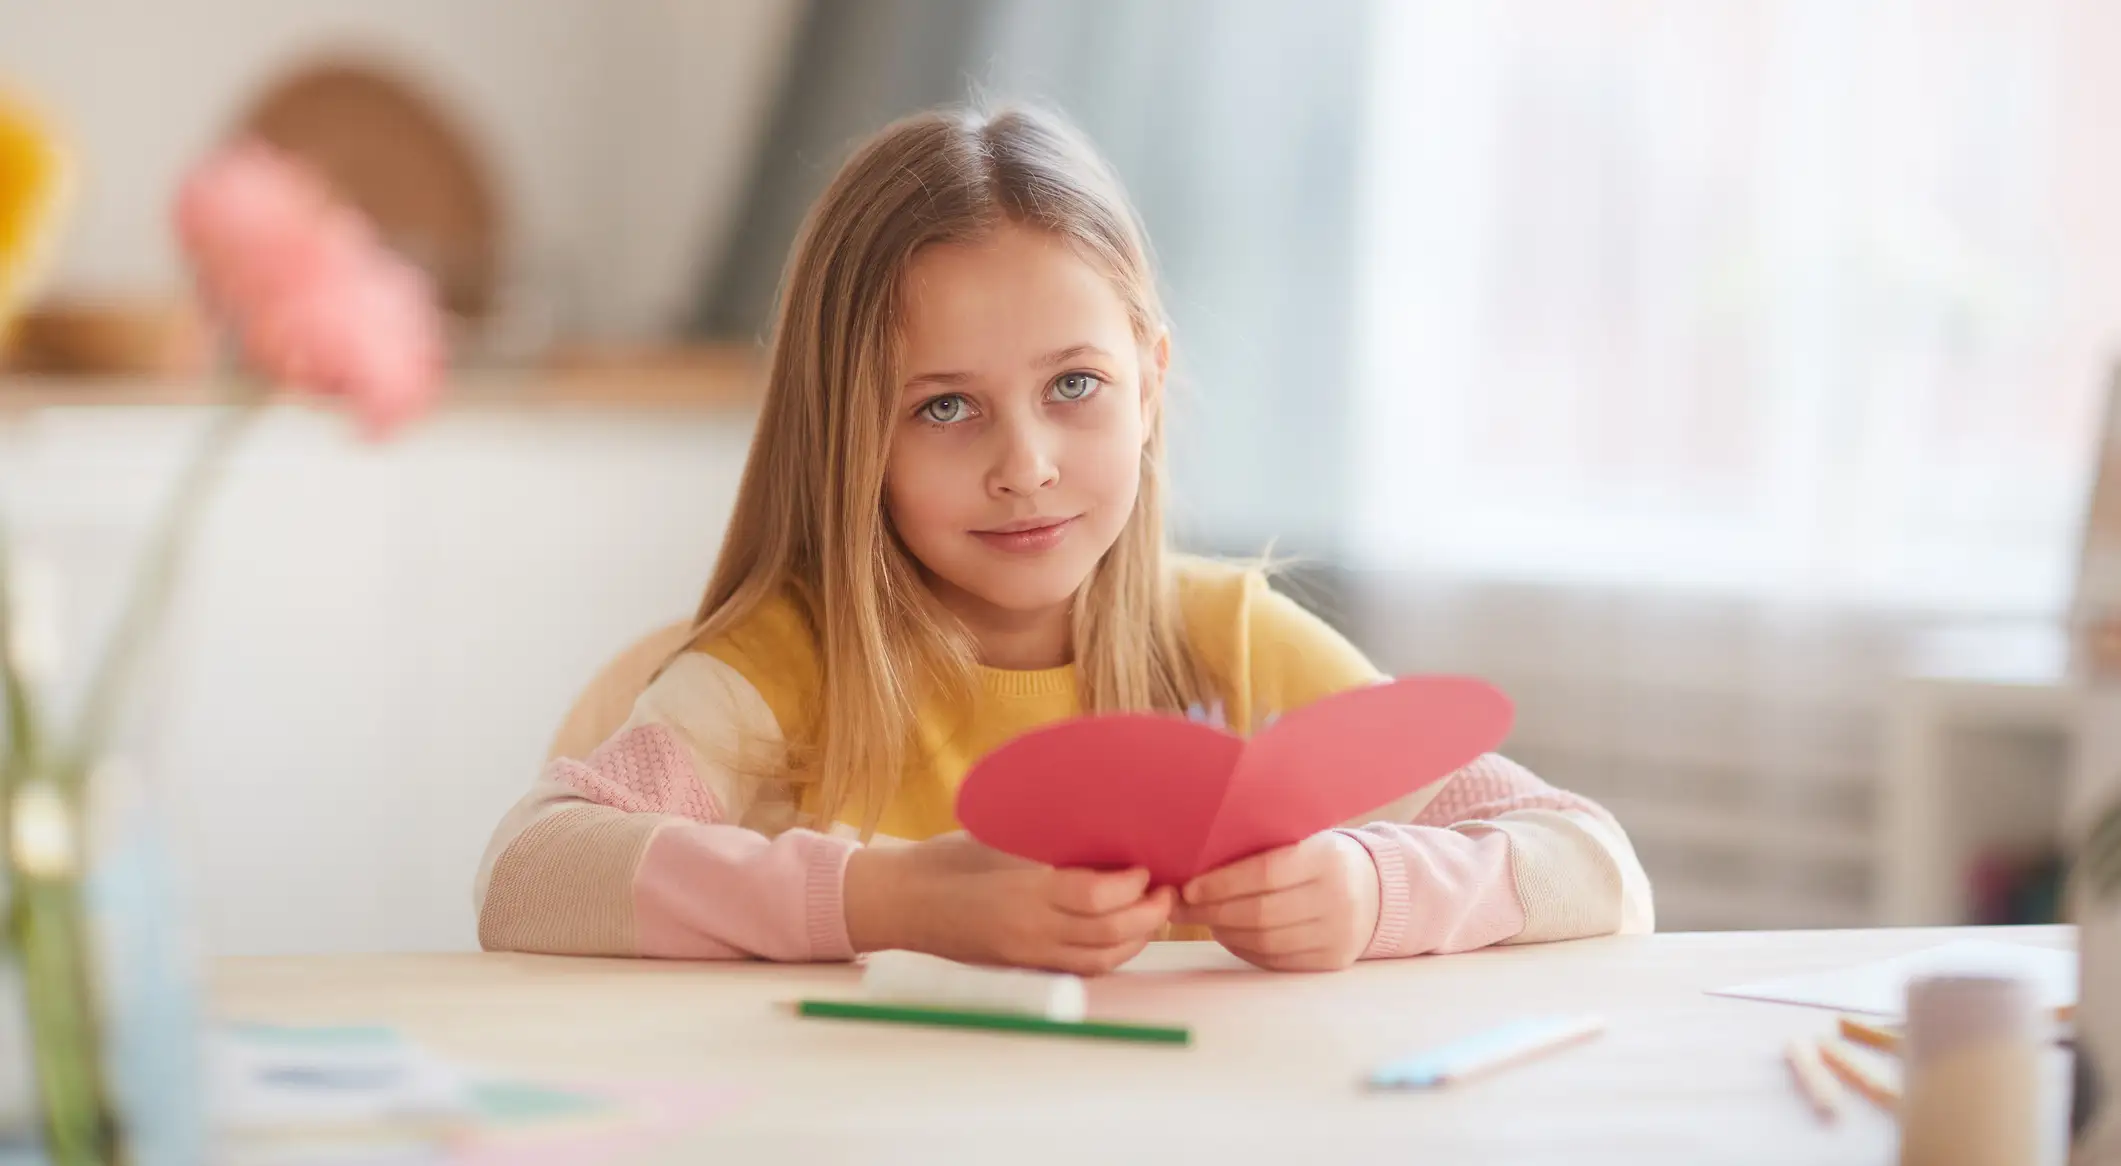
(950, 531)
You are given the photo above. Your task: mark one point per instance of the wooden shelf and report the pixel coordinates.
(717, 379)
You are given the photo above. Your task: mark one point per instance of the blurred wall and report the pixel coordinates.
(617, 132)
(373, 644)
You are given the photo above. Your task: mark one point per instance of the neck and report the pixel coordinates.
(1026, 642)
(1017, 640)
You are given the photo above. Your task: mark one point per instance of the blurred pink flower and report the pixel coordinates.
(319, 304)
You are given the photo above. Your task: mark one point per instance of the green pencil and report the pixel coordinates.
(999, 1021)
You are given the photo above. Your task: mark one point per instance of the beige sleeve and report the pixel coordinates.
(557, 876)
(667, 840)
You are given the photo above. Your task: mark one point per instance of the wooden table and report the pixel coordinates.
(1272, 1076)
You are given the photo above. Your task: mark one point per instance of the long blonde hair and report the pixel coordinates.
(809, 519)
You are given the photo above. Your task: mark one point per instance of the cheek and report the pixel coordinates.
(923, 489)
(1110, 458)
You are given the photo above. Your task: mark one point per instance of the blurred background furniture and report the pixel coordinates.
(1966, 696)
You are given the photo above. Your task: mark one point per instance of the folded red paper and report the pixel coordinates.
(1182, 798)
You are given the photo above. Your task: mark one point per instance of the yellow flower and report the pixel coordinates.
(34, 183)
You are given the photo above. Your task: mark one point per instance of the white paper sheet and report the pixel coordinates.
(1880, 988)
(271, 1080)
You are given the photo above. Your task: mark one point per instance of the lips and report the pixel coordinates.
(1026, 536)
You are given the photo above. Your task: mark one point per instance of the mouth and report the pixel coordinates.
(1026, 535)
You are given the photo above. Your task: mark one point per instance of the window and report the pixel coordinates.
(1761, 294)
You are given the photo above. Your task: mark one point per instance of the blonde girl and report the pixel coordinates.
(951, 530)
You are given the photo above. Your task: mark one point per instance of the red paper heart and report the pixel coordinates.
(1181, 798)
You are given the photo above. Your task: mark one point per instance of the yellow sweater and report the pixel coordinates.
(672, 839)
(1264, 653)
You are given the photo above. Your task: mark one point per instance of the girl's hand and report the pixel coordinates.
(952, 897)
(1310, 907)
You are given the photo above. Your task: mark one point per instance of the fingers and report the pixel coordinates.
(1090, 892)
(1306, 947)
(1318, 914)
(1137, 920)
(1313, 960)
(1274, 870)
(1096, 961)
(1091, 945)
(1275, 909)
(1276, 941)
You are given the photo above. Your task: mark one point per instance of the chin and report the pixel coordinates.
(1023, 599)
(1026, 590)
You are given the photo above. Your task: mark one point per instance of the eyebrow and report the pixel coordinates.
(1058, 356)
(1064, 355)
(938, 378)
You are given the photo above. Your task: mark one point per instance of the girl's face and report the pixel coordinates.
(1016, 451)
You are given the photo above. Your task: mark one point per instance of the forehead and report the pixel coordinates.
(1004, 297)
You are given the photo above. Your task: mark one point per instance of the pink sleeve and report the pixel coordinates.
(1500, 856)
(625, 853)
(724, 892)
(1439, 891)
(1494, 786)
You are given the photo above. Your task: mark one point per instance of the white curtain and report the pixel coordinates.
(1800, 298)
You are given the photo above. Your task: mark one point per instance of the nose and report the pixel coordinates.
(1027, 461)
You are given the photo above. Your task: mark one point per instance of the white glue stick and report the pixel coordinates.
(910, 977)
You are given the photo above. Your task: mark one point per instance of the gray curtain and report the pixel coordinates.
(1235, 125)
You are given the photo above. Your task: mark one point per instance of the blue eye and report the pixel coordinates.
(948, 410)
(1075, 386)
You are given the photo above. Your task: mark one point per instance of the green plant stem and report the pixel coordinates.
(47, 925)
(154, 584)
(48, 921)
(14, 690)
(50, 926)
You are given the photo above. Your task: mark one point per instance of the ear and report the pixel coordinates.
(1154, 370)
